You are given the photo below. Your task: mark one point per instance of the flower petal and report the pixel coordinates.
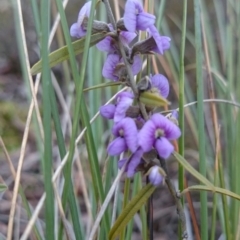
(165, 42)
(106, 45)
(121, 108)
(134, 162)
(161, 83)
(163, 147)
(146, 136)
(107, 111)
(124, 94)
(157, 38)
(175, 114)
(130, 133)
(121, 163)
(127, 37)
(84, 12)
(171, 130)
(132, 7)
(117, 146)
(137, 64)
(145, 20)
(77, 31)
(154, 176)
(109, 66)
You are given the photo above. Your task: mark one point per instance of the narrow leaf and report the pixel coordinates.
(212, 189)
(102, 85)
(62, 54)
(129, 211)
(152, 99)
(191, 170)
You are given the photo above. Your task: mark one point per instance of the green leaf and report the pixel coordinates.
(102, 85)
(62, 54)
(191, 170)
(214, 190)
(3, 187)
(129, 211)
(152, 99)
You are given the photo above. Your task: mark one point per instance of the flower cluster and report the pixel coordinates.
(135, 138)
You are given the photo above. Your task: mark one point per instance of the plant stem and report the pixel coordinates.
(177, 200)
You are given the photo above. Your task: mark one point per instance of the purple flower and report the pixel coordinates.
(162, 42)
(124, 101)
(108, 111)
(125, 132)
(110, 45)
(161, 83)
(76, 29)
(109, 67)
(121, 163)
(154, 176)
(137, 64)
(118, 111)
(127, 37)
(156, 133)
(133, 163)
(174, 114)
(114, 67)
(135, 18)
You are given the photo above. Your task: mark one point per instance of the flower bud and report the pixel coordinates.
(156, 175)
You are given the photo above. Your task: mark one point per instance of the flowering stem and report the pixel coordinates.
(177, 199)
(128, 67)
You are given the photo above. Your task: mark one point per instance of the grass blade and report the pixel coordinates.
(47, 161)
(128, 212)
(200, 110)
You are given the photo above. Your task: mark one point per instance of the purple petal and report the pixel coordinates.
(107, 111)
(130, 133)
(161, 83)
(134, 162)
(130, 14)
(124, 94)
(121, 108)
(157, 38)
(171, 130)
(163, 147)
(165, 42)
(117, 146)
(84, 12)
(175, 114)
(154, 176)
(129, 130)
(106, 45)
(121, 163)
(137, 65)
(127, 37)
(77, 31)
(109, 66)
(146, 136)
(145, 20)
